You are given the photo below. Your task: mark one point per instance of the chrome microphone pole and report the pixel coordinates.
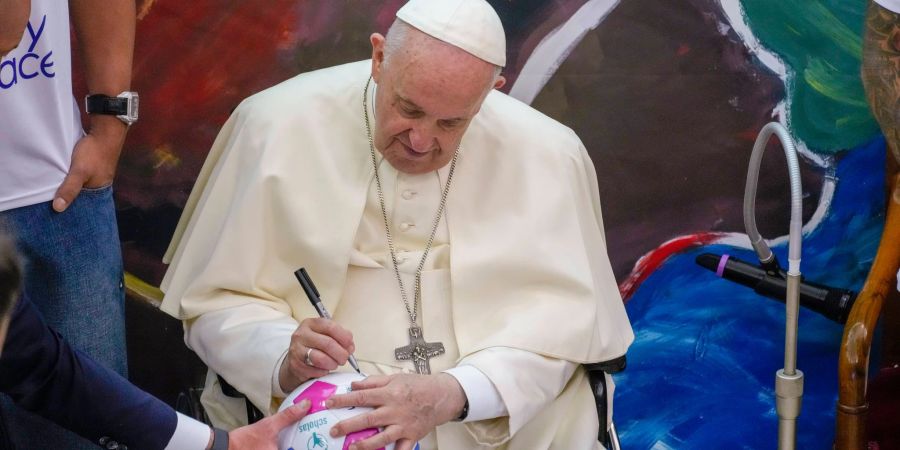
(789, 380)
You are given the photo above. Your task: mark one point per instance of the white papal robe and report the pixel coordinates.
(520, 263)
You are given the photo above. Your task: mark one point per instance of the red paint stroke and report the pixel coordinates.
(683, 49)
(655, 258)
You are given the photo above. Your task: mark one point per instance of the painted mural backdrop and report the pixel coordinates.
(668, 96)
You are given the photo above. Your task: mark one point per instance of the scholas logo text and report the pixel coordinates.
(312, 425)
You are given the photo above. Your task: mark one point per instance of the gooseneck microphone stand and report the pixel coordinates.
(789, 380)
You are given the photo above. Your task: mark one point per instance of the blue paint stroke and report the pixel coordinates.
(702, 368)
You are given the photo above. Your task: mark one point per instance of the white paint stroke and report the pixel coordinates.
(734, 11)
(737, 20)
(550, 53)
(735, 14)
(780, 112)
(741, 240)
(556, 47)
(828, 187)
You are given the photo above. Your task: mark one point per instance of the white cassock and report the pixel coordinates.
(517, 285)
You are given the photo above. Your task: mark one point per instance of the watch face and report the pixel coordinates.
(131, 108)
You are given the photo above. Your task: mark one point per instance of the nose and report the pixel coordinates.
(420, 139)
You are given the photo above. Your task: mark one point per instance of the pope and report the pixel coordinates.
(454, 230)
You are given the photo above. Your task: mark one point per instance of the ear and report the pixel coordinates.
(501, 81)
(377, 41)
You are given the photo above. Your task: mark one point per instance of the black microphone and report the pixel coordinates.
(833, 303)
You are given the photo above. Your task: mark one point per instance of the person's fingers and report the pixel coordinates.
(290, 415)
(371, 419)
(390, 435)
(371, 382)
(332, 329)
(299, 368)
(325, 344)
(304, 338)
(306, 371)
(68, 190)
(370, 397)
(321, 360)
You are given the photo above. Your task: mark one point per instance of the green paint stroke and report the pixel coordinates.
(821, 43)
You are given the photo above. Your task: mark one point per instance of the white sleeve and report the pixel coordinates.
(484, 399)
(893, 5)
(232, 339)
(189, 435)
(525, 382)
(276, 383)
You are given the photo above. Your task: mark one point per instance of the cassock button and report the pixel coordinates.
(408, 194)
(405, 226)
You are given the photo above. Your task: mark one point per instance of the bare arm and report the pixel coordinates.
(105, 31)
(13, 18)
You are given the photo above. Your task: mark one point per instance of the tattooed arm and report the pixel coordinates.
(881, 71)
(13, 18)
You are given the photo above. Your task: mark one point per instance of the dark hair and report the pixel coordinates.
(10, 275)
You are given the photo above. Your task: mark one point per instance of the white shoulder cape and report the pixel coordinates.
(285, 183)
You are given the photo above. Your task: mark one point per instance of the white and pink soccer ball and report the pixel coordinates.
(312, 432)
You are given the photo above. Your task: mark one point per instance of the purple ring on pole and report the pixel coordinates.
(721, 269)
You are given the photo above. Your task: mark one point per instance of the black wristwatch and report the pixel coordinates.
(124, 106)
(220, 439)
(464, 413)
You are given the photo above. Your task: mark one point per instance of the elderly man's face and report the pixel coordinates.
(428, 93)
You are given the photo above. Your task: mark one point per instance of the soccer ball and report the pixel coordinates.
(312, 432)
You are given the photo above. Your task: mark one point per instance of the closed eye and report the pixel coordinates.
(450, 123)
(408, 109)
(410, 113)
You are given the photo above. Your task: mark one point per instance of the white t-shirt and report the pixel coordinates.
(39, 120)
(893, 5)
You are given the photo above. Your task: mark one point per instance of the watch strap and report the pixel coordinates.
(220, 439)
(464, 413)
(104, 104)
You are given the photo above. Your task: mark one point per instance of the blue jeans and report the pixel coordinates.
(74, 275)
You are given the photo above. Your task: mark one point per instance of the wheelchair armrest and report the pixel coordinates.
(612, 366)
(597, 379)
(253, 413)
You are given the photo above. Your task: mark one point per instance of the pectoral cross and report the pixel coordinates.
(418, 351)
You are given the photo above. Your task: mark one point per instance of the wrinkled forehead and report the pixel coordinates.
(442, 80)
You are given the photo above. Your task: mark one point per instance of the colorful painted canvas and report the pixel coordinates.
(668, 97)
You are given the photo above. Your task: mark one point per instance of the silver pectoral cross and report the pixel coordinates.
(418, 351)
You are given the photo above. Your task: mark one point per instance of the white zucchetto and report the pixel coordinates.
(471, 25)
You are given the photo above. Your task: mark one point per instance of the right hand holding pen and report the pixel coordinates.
(318, 346)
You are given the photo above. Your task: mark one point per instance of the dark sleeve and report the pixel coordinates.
(41, 373)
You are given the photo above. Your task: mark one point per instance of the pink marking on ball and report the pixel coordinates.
(359, 436)
(316, 393)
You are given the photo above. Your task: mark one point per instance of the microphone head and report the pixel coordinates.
(708, 261)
